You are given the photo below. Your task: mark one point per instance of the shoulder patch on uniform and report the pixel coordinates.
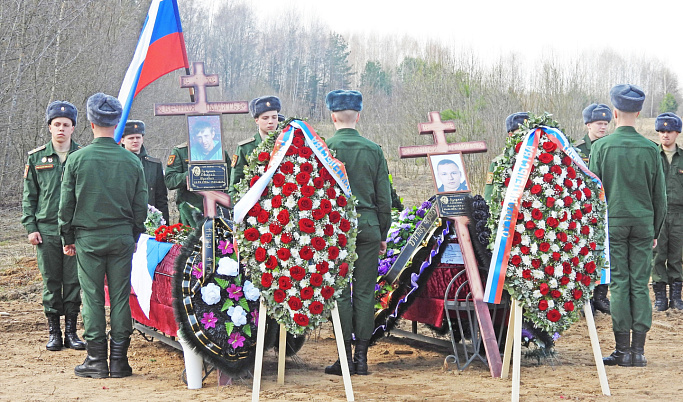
(171, 159)
(579, 143)
(489, 178)
(40, 148)
(183, 145)
(248, 140)
(234, 160)
(152, 159)
(26, 171)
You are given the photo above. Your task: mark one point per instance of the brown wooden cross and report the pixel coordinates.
(199, 81)
(438, 130)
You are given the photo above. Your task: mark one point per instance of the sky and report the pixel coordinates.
(530, 28)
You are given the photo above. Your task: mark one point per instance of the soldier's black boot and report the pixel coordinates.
(118, 359)
(335, 368)
(95, 364)
(675, 295)
(638, 349)
(71, 339)
(661, 302)
(55, 341)
(622, 352)
(600, 300)
(361, 356)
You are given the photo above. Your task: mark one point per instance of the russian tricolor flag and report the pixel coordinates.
(160, 50)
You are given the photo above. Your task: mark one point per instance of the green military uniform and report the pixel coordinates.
(157, 195)
(630, 168)
(42, 184)
(584, 145)
(669, 251)
(488, 187)
(239, 160)
(102, 211)
(369, 180)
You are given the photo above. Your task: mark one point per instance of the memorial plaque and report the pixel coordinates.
(207, 176)
(451, 205)
(208, 251)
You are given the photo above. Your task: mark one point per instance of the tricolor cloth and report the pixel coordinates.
(145, 260)
(511, 205)
(160, 50)
(284, 140)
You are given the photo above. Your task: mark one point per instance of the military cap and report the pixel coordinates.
(61, 109)
(668, 122)
(104, 110)
(513, 121)
(627, 98)
(263, 104)
(342, 99)
(597, 112)
(134, 127)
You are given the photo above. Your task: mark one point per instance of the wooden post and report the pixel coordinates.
(516, 351)
(339, 337)
(281, 355)
(488, 334)
(260, 341)
(509, 339)
(597, 354)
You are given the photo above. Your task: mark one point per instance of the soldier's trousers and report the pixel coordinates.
(668, 267)
(357, 316)
(61, 290)
(631, 264)
(112, 256)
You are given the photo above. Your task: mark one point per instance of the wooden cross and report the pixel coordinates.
(438, 130)
(199, 81)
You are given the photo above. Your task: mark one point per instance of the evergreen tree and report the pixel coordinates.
(668, 104)
(376, 78)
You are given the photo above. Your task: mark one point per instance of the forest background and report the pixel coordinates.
(70, 49)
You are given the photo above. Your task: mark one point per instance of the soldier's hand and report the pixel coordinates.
(654, 244)
(382, 247)
(70, 249)
(35, 238)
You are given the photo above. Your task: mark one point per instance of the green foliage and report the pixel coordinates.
(376, 78)
(668, 104)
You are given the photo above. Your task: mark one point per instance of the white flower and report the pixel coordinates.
(537, 273)
(555, 247)
(533, 248)
(519, 228)
(290, 203)
(211, 294)
(536, 204)
(343, 254)
(276, 190)
(237, 315)
(537, 294)
(526, 240)
(304, 239)
(551, 303)
(552, 283)
(544, 169)
(545, 257)
(550, 235)
(252, 220)
(541, 224)
(570, 285)
(558, 271)
(563, 225)
(537, 180)
(228, 267)
(267, 205)
(292, 291)
(250, 291)
(526, 260)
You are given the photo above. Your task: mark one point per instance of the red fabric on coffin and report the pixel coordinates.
(428, 307)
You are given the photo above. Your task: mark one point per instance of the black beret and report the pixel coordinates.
(104, 110)
(597, 112)
(341, 99)
(513, 121)
(264, 104)
(61, 109)
(134, 127)
(668, 122)
(627, 98)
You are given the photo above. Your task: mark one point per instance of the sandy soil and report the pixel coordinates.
(401, 369)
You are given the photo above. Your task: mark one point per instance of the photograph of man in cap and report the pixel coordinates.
(668, 268)
(206, 143)
(630, 168)
(133, 139)
(512, 123)
(369, 181)
(42, 186)
(596, 117)
(265, 111)
(102, 213)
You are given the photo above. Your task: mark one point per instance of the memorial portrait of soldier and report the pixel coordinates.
(448, 173)
(205, 138)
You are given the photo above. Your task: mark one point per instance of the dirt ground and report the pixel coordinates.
(401, 369)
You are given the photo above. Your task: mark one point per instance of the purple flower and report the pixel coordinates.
(377, 287)
(209, 320)
(254, 316)
(225, 246)
(236, 340)
(197, 270)
(426, 205)
(234, 291)
(420, 213)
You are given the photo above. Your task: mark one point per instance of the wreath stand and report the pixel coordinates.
(515, 335)
(260, 340)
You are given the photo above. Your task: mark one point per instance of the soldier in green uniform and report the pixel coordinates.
(596, 117)
(42, 184)
(630, 168)
(668, 269)
(176, 179)
(369, 180)
(512, 123)
(133, 139)
(102, 213)
(265, 111)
